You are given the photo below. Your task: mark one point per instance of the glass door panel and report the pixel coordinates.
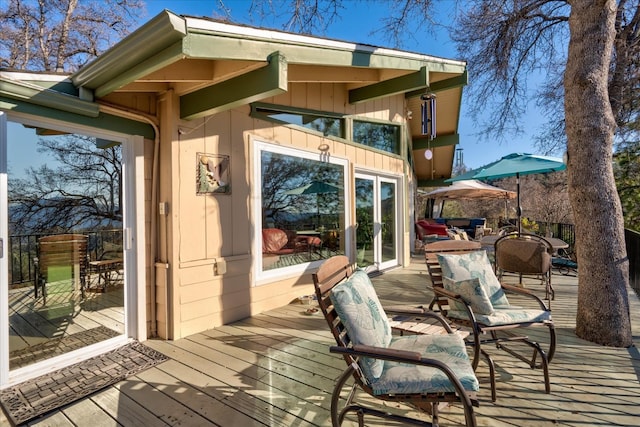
(388, 223)
(365, 226)
(377, 222)
(65, 268)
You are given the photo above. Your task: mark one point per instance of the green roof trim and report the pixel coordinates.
(402, 84)
(36, 95)
(422, 143)
(255, 85)
(138, 48)
(160, 60)
(213, 45)
(451, 83)
(433, 182)
(101, 121)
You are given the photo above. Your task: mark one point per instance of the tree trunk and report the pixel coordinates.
(603, 304)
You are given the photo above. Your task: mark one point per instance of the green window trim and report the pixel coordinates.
(266, 111)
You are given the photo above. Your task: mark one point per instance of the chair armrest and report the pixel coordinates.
(419, 311)
(445, 293)
(526, 293)
(403, 309)
(472, 318)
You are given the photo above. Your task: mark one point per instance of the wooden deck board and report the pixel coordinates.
(86, 412)
(223, 384)
(126, 411)
(163, 404)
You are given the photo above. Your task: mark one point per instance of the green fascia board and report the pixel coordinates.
(440, 182)
(210, 45)
(439, 86)
(422, 143)
(33, 94)
(161, 32)
(255, 85)
(390, 87)
(168, 56)
(101, 121)
(61, 87)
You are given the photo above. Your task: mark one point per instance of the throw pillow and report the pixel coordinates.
(474, 264)
(356, 302)
(472, 292)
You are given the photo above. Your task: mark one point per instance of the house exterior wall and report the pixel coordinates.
(201, 232)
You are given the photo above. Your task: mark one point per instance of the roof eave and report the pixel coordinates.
(154, 37)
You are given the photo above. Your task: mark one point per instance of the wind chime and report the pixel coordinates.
(428, 110)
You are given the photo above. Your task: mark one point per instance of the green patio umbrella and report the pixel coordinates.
(514, 164)
(314, 187)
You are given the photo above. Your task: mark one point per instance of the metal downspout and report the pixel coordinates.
(151, 120)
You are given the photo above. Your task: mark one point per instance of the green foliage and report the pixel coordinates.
(530, 225)
(627, 174)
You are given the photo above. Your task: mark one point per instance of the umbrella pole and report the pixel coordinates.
(518, 209)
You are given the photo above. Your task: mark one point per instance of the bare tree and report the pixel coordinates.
(61, 35)
(83, 190)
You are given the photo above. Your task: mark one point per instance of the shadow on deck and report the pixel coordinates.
(275, 369)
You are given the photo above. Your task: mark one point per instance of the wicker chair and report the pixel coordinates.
(403, 369)
(525, 254)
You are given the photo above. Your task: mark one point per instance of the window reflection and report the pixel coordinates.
(332, 126)
(382, 136)
(66, 261)
(302, 210)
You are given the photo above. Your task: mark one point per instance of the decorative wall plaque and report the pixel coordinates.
(212, 174)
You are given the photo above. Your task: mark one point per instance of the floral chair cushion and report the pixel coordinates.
(472, 292)
(471, 265)
(450, 349)
(356, 302)
(505, 316)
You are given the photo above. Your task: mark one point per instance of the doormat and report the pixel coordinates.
(57, 346)
(52, 391)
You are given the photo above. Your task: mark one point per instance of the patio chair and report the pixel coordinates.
(60, 257)
(421, 370)
(565, 261)
(478, 301)
(525, 254)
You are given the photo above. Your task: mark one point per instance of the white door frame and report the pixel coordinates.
(134, 250)
(377, 179)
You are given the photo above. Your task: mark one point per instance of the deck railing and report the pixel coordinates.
(632, 239)
(23, 248)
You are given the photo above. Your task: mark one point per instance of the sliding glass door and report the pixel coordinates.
(63, 260)
(377, 225)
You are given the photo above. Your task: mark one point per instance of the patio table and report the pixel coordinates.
(555, 242)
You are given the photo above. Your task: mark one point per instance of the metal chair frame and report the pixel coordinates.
(331, 273)
(481, 334)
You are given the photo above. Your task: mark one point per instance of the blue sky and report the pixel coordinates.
(357, 24)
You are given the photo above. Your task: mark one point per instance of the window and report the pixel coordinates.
(301, 208)
(325, 123)
(382, 136)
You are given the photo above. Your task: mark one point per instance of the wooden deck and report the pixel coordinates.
(274, 369)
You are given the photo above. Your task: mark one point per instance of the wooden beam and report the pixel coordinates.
(421, 143)
(410, 82)
(439, 86)
(432, 182)
(250, 87)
